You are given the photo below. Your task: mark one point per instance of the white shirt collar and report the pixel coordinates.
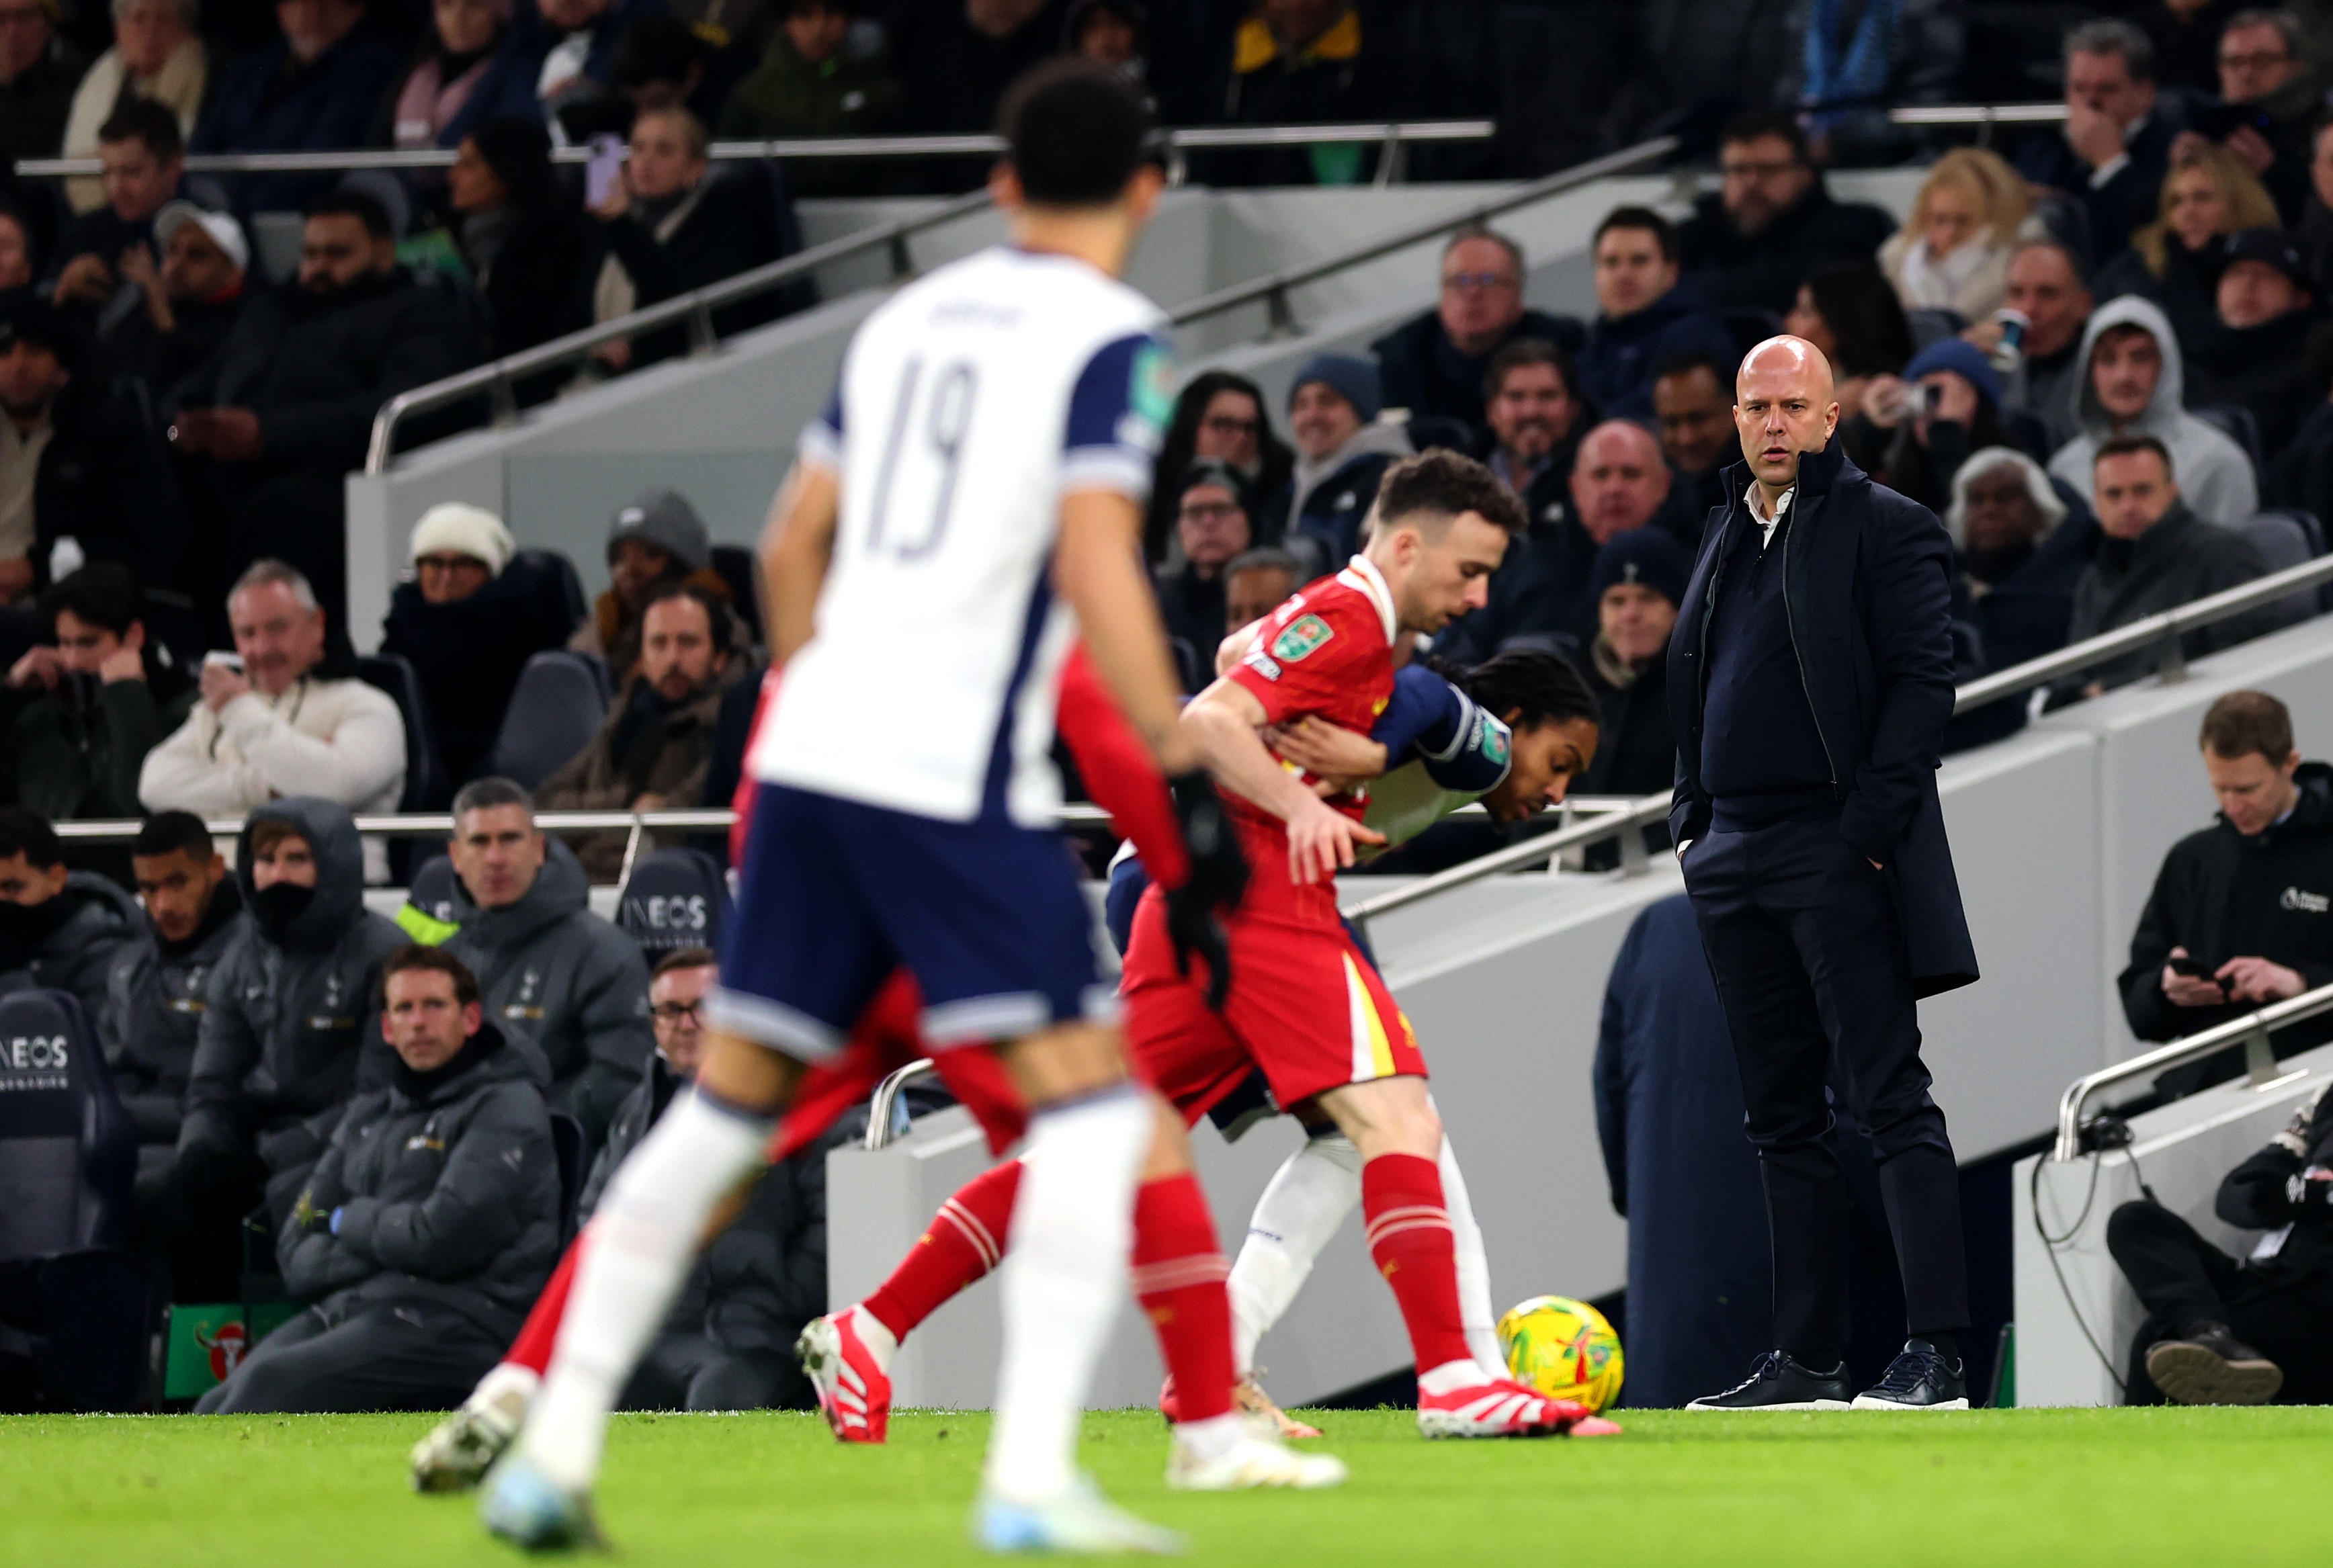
(1766, 525)
(1360, 573)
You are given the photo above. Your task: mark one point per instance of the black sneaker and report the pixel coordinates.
(1777, 1382)
(1918, 1380)
(2213, 1367)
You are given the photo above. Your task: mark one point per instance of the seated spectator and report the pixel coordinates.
(157, 55)
(2175, 260)
(1341, 452)
(1535, 416)
(78, 459)
(1849, 311)
(2227, 1331)
(2134, 383)
(281, 719)
(1946, 406)
(1968, 221)
(820, 77)
(59, 928)
(727, 1344)
(283, 1039)
(1255, 585)
(2218, 937)
(652, 753)
(1435, 363)
(82, 714)
(38, 72)
(2258, 358)
(428, 1225)
(1304, 62)
(661, 64)
(2155, 555)
(155, 992)
(467, 623)
(732, 37)
(19, 248)
(1693, 404)
(2186, 38)
(532, 255)
(581, 38)
(475, 65)
(314, 88)
(284, 411)
(2048, 286)
(2315, 229)
(189, 299)
(1112, 33)
(1648, 314)
(548, 968)
(1638, 581)
(657, 539)
(1212, 528)
(669, 226)
(2269, 103)
(1218, 417)
(957, 57)
(2020, 545)
(144, 157)
(2114, 147)
(1772, 221)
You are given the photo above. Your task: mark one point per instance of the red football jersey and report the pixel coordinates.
(1328, 653)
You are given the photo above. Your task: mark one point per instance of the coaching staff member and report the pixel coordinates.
(1810, 679)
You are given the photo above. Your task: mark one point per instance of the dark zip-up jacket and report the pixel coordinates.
(154, 1007)
(2258, 1195)
(2179, 559)
(78, 952)
(1867, 594)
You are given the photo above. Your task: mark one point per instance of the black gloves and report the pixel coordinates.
(2309, 1193)
(1218, 876)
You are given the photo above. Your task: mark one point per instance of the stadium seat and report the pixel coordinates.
(558, 706)
(432, 891)
(2236, 422)
(566, 1148)
(2284, 542)
(676, 898)
(427, 788)
(735, 564)
(554, 565)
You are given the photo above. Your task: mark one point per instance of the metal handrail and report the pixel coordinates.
(1642, 812)
(1274, 289)
(433, 825)
(1978, 113)
(880, 1103)
(2250, 1031)
(1391, 133)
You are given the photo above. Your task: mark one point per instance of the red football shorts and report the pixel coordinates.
(884, 1040)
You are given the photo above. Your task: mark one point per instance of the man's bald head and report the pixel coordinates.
(1785, 403)
(1620, 479)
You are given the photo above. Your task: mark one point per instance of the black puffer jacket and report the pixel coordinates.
(447, 1193)
(154, 1007)
(468, 653)
(94, 919)
(2263, 1194)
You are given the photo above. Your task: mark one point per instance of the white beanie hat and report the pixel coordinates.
(458, 528)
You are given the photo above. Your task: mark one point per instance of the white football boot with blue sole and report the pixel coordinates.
(523, 1507)
(1078, 1522)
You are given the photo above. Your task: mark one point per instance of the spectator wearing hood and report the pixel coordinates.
(314, 88)
(59, 928)
(1771, 222)
(1637, 584)
(86, 707)
(658, 539)
(1213, 526)
(2155, 555)
(1946, 406)
(468, 621)
(1535, 418)
(284, 1036)
(428, 1225)
(2133, 382)
(821, 76)
(1343, 450)
(2175, 260)
(531, 253)
(2021, 543)
(1435, 363)
(1648, 314)
(1220, 417)
(2258, 358)
(191, 290)
(657, 746)
(548, 968)
(1968, 221)
(475, 65)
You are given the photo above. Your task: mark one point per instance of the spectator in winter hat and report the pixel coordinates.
(657, 539)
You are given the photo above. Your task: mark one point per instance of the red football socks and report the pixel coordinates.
(1179, 1271)
(533, 1347)
(966, 1240)
(1412, 1244)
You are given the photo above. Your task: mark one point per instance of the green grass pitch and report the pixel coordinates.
(2055, 1488)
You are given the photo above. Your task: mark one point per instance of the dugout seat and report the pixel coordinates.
(426, 785)
(676, 898)
(558, 706)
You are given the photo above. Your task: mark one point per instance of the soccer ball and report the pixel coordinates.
(1564, 1349)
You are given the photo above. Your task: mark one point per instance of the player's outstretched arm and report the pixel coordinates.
(1223, 721)
(1096, 573)
(797, 543)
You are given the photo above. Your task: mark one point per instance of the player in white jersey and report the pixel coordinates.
(971, 500)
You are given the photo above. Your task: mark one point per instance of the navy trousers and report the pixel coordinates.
(1807, 953)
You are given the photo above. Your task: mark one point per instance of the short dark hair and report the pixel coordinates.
(1759, 124)
(684, 958)
(1443, 483)
(436, 960)
(1537, 687)
(104, 593)
(1264, 558)
(142, 120)
(2124, 445)
(1663, 231)
(716, 613)
(2113, 35)
(1518, 352)
(480, 794)
(173, 833)
(2242, 722)
(347, 203)
(1865, 318)
(1074, 132)
(25, 831)
(1685, 361)
(2075, 263)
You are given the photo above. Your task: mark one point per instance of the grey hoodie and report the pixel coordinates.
(572, 983)
(79, 953)
(448, 1196)
(2214, 474)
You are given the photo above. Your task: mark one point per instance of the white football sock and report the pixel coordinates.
(1452, 1375)
(875, 1335)
(1212, 1438)
(507, 1386)
(1475, 1310)
(1302, 1205)
(644, 1237)
(1064, 1275)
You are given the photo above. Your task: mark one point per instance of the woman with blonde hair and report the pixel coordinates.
(1953, 254)
(2175, 260)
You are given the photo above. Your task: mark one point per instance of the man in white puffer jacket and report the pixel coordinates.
(283, 724)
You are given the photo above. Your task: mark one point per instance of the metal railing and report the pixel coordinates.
(1978, 114)
(2250, 1031)
(882, 1106)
